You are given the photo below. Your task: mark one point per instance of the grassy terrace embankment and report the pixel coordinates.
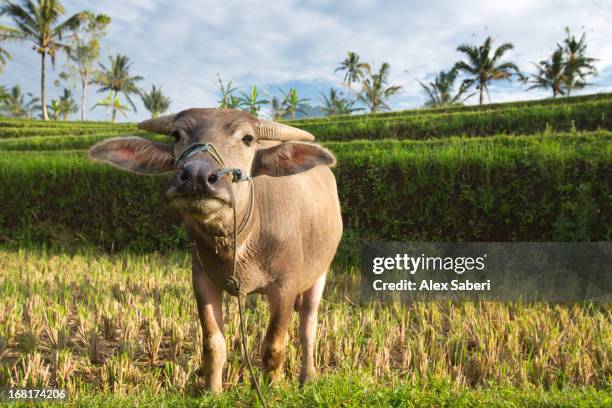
(505, 188)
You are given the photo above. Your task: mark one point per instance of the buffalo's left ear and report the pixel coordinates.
(135, 154)
(290, 158)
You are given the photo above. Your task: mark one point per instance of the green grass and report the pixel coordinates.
(533, 119)
(455, 109)
(8, 122)
(121, 330)
(74, 142)
(547, 187)
(358, 391)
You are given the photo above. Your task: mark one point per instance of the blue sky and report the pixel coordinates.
(182, 45)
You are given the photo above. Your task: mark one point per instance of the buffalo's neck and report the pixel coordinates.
(215, 251)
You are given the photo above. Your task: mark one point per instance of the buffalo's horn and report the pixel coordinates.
(161, 124)
(267, 130)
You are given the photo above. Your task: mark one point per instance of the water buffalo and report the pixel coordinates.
(288, 217)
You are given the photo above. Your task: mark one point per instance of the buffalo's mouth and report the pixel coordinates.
(195, 202)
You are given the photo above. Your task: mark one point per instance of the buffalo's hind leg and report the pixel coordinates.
(209, 299)
(308, 327)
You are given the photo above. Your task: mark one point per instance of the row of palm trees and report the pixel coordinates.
(567, 69)
(78, 36)
(288, 104)
(15, 104)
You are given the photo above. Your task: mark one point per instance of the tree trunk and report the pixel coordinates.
(481, 93)
(42, 87)
(83, 97)
(114, 114)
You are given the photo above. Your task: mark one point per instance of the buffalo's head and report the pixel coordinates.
(198, 188)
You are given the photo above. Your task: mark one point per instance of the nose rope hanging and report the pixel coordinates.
(231, 284)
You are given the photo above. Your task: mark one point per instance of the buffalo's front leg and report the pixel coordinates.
(209, 299)
(275, 342)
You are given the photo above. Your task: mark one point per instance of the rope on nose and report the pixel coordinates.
(232, 286)
(197, 148)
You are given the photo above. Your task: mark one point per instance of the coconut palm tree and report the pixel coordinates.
(293, 104)
(250, 102)
(6, 33)
(551, 74)
(155, 101)
(13, 103)
(375, 89)
(335, 104)
(278, 110)
(39, 22)
(483, 65)
(116, 79)
(112, 103)
(84, 52)
(354, 70)
(227, 101)
(577, 65)
(440, 91)
(4, 57)
(67, 105)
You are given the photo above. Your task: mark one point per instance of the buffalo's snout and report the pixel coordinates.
(197, 177)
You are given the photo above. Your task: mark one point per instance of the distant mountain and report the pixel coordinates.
(310, 112)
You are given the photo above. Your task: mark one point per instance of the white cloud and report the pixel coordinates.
(182, 45)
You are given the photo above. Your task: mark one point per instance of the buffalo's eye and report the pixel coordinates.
(176, 135)
(247, 139)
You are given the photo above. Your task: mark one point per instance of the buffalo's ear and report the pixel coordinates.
(135, 154)
(290, 158)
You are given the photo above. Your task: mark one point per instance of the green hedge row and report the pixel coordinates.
(24, 132)
(74, 142)
(454, 109)
(8, 122)
(537, 188)
(561, 118)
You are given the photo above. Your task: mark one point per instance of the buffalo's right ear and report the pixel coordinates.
(135, 154)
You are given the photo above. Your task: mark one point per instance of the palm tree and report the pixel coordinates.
(4, 57)
(335, 104)
(577, 65)
(155, 101)
(375, 91)
(67, 105)
(116, 79)
(278, 110)
(84, 51)
(13, 104)
(482, 67)
(250, 101)
(353, 68)
(112, 103)
(38, 22)
(227, 101)
(293, 104)
(6, 33)
(551, 73)
(440, 90)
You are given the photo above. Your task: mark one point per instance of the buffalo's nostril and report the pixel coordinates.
(183, 176)
(213, 178)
